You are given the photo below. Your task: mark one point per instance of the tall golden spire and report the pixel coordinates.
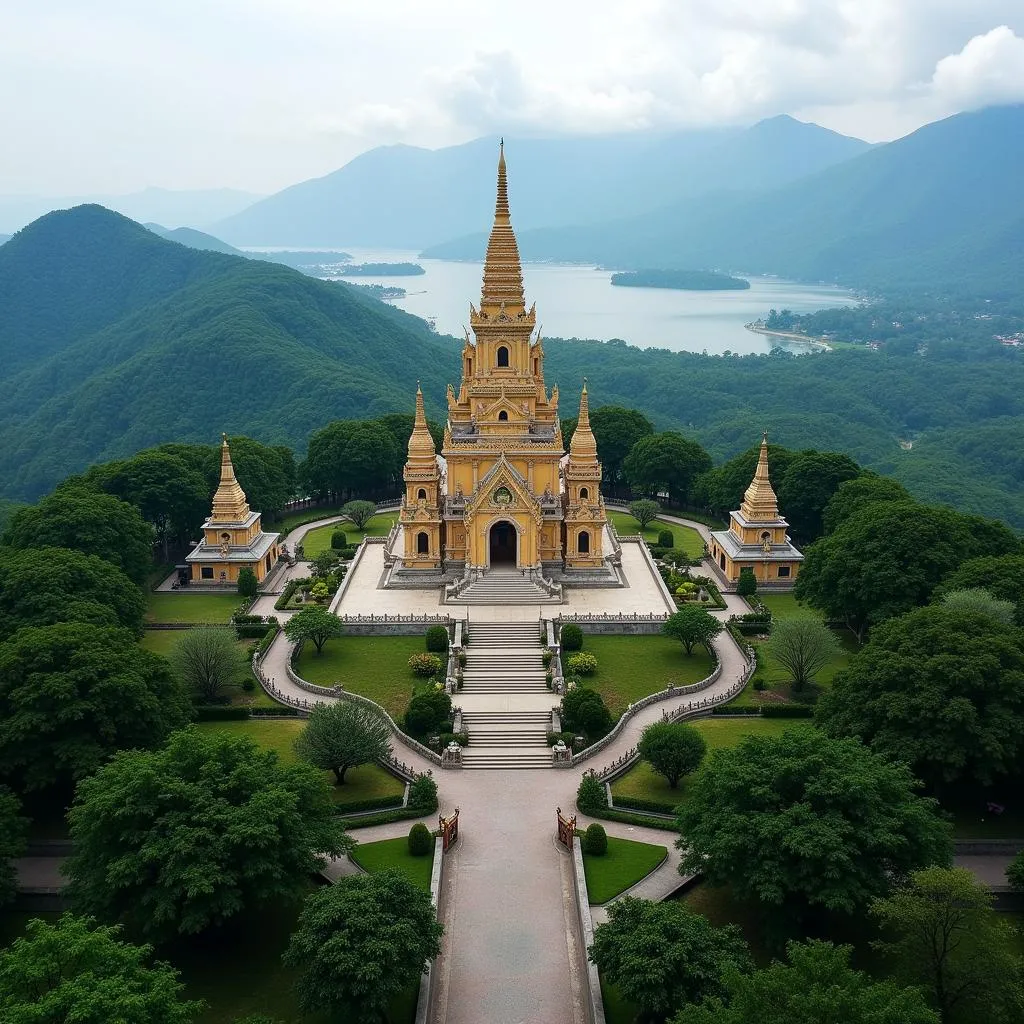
(229, 504)
(421, 443)
(759, 501)
(503, 274)
(583, 447)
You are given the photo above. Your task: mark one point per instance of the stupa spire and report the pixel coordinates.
(229, 504)
(503, 273)
(421, 443)
(759, 501)
(583, 447)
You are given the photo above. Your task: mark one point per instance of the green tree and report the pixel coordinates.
(1001, 575)
(350, 456)
(939, 689)
(265, 472)
(803, 646)
(427, 711)
(323, 565)
(672, 749)
(41, 586)
(342, 736)
(616, 431)
(692, 625)
(810, 480)
(177, 840)
(976, 601)
(817, 986)
(798, 820)
(721, 489)
(665, 462)
(360, 512)
(13, 838)
(747, 585)
(74, 970)
(73, 693)
(248, 585)
(85, 520)
(584, 710)
(360, 942)
(644, 511)
(313, 623)
(662, 955)
(852, 495)
(207, 660)
(885, 559)
(943, 934)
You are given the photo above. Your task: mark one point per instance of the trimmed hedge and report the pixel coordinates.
(282, 711)
(629, 818)
(251, 631)
(571, 637)
(221, 713)
(733, 709)
(289, 589)
(638, 803)
(437, 639)
(387, 817)
(371, 803)
(787, 710)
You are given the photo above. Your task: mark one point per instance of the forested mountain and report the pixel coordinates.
(4, 238)
(193, 239)
(943, 205)
(175, 207)
(114, 339)
(406, 197)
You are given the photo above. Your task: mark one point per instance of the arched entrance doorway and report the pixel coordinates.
(503, 543)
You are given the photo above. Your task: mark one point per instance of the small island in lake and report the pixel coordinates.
(381, 291)
(687, 280)
(382, 270)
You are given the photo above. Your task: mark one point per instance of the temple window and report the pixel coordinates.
(421, 494)
(206, 572)
(422, 544)
(503, 416)
(721, 561)
(783, 572)
(584, 494)
(583, 543)
(502, 355)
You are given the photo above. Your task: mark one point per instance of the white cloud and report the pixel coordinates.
(989, 69)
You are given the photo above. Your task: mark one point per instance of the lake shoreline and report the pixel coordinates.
(803, 339)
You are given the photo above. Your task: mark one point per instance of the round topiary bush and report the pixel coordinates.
(421, 842)
(425, 664)
(437, 639)
(582, 664)
(595, 841)
(423, 793)
(572, 637)
(339, 539)
(759, 684)
(666, 539)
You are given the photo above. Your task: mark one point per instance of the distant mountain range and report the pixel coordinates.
(194, 207)
(943, 206)
(194, 239)
(406, 197)
(113, 339)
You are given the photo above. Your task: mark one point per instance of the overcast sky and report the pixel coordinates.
(115, 95)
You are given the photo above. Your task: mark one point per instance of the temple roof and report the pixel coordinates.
(421, 443)
(583, 447)
(229, 504)
(759, 501)
(503, 273)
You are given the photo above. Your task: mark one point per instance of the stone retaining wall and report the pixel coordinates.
(589, 978)
(424, 1007)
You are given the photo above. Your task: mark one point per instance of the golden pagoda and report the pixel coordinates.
(757, 536)
(501, 495)
(233, 536)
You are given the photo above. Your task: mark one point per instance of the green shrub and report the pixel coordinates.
(425, 664)
(248, 585)
(595, 840)
(462, 738)
(565, 737)
(584, 710)
(437, 639)
(220, 713)
(747, 584)
(666, 539)
(251, 630)
(462, 659)
(248, 684)
(423, 794)
(591, 796)
(339, 539)
(582, 664)
(427, 711)
(571, 637)
(638, 803)
(546, 657)
(787, 711)
(759, 684)
(371, 803)
(675, 556)
(421, 842)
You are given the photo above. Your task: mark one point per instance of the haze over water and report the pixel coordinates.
(580, 302)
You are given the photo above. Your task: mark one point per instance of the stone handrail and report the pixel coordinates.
(613, 617)
(426, 618)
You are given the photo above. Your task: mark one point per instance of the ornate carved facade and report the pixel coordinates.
(504, 491)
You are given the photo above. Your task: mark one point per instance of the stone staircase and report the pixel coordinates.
(504, 666)
(501, 586)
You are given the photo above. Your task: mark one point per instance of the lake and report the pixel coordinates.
(580, 302)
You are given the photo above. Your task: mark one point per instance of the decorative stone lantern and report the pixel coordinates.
(452, 756)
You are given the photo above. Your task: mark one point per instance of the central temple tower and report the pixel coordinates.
(507, 497)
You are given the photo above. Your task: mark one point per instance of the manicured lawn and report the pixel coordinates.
(305, 515)
(368, 781)
(686, 538)
(784, 606)
(631, 667)
(320, 539)
(191, 607)
(625, 863)
(642, 782)
(372, 666)
(394, 853)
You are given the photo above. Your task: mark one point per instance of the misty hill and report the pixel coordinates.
(174, 207)
(4, 238)
(944, 205)
(407, 197)
(114, 339)
(194, 239)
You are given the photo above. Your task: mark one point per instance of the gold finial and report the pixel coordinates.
(229, 504)
(503, 274)
(421, 443)
(759, 501)
(583, 446)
